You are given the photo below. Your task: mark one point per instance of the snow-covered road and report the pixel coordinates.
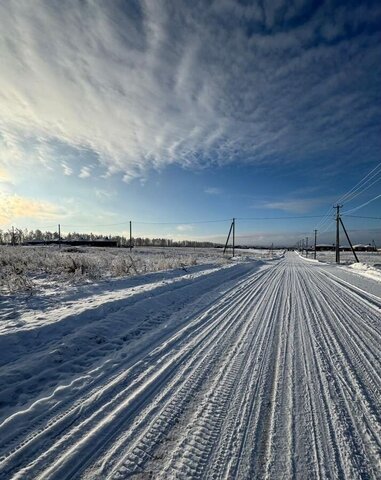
(265, 372)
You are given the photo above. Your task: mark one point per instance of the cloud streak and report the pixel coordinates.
(298, 205)
(142, 86)
(213, 191)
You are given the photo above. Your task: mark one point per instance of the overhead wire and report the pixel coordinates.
(361, 216)
(64, 225)
(278, 218)
(363, 205)
(354, 191)
(370, 179)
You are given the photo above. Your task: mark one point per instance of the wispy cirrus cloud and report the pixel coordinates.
(4, 176)
(213, 190)
(296, 205)
(147, 85)
(85, 172)
(66, 169)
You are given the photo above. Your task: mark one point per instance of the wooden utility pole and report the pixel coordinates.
(349, 241)
(227, 240)
(59, 236)
(315, 245)
(130, 235)
(233, 235)
(337, 232)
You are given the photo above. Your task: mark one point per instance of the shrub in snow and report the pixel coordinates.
(14, 279)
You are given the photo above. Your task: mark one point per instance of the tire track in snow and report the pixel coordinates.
(92, 409)
(132, 462)
(280, 378)
(217, 404)
(356, 396)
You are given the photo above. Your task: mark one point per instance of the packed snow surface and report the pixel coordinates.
(249, 370)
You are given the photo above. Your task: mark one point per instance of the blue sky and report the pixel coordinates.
(184, 111)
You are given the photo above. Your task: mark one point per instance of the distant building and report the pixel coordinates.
(325, 247)
(76, 243)
(364, 248)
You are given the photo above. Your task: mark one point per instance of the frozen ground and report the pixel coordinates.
(250, 369)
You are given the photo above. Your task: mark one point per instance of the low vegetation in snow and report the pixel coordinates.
(22, 267)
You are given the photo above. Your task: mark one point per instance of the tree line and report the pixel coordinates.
(17, 236)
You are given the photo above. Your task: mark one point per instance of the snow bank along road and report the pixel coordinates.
(269, 371)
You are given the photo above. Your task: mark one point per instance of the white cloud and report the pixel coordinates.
(85, 172)
(299, 205)
(4, 176)
(66, 169)
(148, 86)
(213, 191)
(103, 194)
(184, 228)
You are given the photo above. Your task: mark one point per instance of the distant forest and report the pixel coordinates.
(19, 237)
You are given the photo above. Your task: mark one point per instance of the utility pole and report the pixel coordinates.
(306, 246)
(337, 232)
(315, 245)
(130, 235)
(227, 240)
(233, 235)
(349, 241)
(59, 236)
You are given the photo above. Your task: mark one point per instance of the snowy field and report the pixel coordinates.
(369, 264)
(35, 269)
(248, 368)
(346, 258)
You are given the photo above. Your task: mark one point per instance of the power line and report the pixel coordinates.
(94, 225)
(356, 190)
(365, 189)
(327, 226)
(361, 216)
(353, 192)
(363, 205)
(146, 223)
(279, 218)
(126, 222)
(325, 218)
(183, 223)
